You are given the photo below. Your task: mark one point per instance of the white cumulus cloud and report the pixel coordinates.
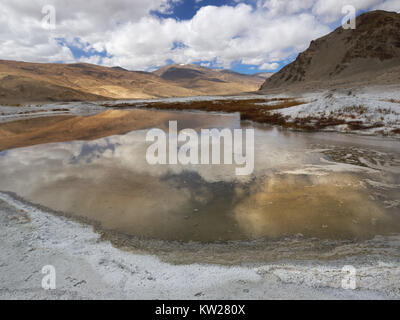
(262, 34)
(269, 66)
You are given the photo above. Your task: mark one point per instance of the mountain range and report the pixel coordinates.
(364, 56)
(37, 82)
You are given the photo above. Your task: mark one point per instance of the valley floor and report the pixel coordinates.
(89, 267)
(363, 110)
(372, 110)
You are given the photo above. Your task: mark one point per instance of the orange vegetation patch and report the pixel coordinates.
(392, 101)
(256, 110)
(250, 109)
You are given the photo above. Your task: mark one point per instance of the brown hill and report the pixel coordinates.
(369, 54)
(36, 82)
(209, 81)
(22, 82)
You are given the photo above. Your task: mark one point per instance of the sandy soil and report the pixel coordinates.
(90, 268)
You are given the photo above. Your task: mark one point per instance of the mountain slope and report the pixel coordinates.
(369, 54)
(36, 82)
(21, 81)
(209, 81)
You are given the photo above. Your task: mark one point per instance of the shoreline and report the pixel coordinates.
(372, 111)
(87, 265)
(93, 264)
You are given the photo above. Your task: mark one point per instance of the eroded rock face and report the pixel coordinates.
(370, 53)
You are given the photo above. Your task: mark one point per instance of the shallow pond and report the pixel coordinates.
(313, 185)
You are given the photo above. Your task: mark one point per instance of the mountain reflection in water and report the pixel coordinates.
(295, 188)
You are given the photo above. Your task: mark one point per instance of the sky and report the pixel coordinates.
(245, 36)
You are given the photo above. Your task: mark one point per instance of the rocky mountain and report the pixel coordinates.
(368, 55)
(36, 82)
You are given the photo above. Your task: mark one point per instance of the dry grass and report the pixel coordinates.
(43, 111)
(252, 110)
(355, 109)
(392, 101)
(249, 109)
(11, 104)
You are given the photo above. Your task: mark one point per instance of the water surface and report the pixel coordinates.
(313, 185)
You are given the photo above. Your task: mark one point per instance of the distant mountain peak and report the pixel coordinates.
(192, 76)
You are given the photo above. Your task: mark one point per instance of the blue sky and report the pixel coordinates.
(186, 10)
(246, 36)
